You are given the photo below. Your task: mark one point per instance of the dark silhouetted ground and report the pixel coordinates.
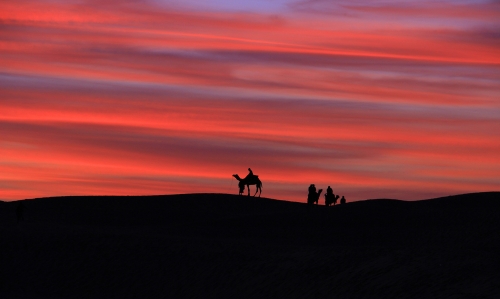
(225, 246)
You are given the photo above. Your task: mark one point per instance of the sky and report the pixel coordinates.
(377, 99)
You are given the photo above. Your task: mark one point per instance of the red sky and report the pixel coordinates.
(379, 99)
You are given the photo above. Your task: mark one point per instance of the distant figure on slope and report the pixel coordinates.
(20, 211)
(342, 200)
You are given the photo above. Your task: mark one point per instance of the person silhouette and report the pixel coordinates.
(250, 173)
(312, 189)
(312, 194)
(20, 212)
(342, 200)
(329, 197)
(329, 190)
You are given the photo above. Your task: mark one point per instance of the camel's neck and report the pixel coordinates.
(237, 177)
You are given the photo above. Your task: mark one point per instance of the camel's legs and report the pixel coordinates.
(258, 188)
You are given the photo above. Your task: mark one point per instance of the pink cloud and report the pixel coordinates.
(113, 98)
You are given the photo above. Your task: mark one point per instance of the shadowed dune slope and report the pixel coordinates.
(221, 246)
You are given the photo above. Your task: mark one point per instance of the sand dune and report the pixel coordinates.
(222, 246)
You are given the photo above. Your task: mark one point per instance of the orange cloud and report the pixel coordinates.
(113, 98)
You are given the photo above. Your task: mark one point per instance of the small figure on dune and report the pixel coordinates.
(313, 196)
(20, 212)
(250, 179)
(342, 200)
(330, 197)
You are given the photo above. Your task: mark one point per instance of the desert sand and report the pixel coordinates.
(230, 246)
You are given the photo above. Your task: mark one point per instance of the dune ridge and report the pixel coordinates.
(221, 246)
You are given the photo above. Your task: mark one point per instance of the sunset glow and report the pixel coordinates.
(378, 99)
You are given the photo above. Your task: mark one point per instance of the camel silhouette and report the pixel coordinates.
(331, 199)
(314, 197)
(250, 180)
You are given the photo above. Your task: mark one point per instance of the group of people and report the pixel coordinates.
(330, 198)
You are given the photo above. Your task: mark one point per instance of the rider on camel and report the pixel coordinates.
(250, 173)
(329, 191)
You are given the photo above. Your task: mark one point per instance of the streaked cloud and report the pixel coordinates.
(113, 97)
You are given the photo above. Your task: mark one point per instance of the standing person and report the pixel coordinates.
(312, 194)
(342, 200)
(329, 196)
(312, 189)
